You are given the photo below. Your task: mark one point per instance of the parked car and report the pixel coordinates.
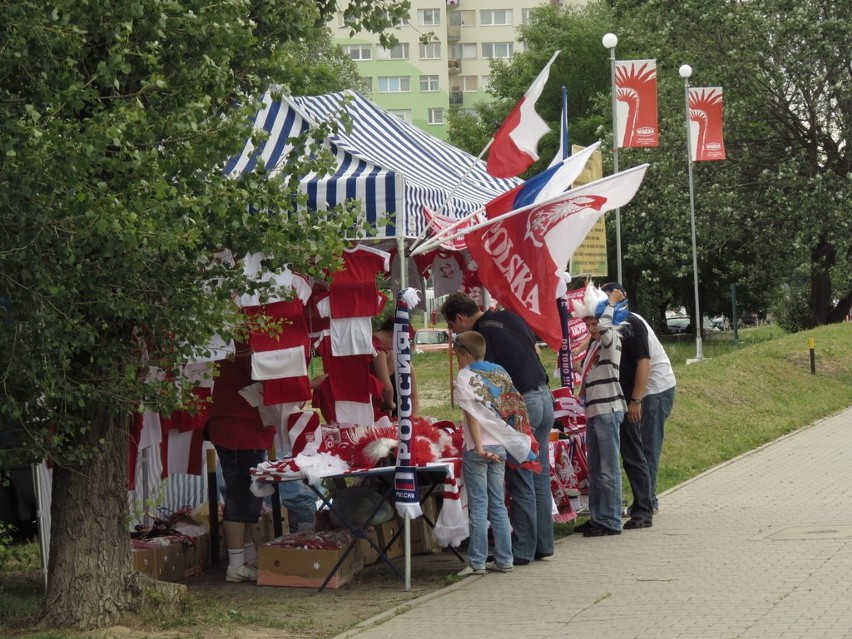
(721, 322)
(429, 340)
(680, 324)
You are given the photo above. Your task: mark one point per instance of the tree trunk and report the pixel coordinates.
(823, 257)
(91, 582)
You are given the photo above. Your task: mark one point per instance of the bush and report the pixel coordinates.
(790, 309)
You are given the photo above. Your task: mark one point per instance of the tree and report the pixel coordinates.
(116, 119)
(779, 205)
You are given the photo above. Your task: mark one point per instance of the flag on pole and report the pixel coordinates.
(521, 257)
(705, 121)
(405, 478)
(636, 91)
(443, 224)
(564, 150)
(546, 185)
(515, 145)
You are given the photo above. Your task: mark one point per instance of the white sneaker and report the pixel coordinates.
(241, 573)
(469, 570)
(496, 568)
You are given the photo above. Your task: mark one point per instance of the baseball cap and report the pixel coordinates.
(609, 287)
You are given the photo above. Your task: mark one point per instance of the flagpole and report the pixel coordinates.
(697, 324)
(610, 41)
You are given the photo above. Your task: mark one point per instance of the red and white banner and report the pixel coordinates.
(515, 145)
(522, 255)
(705, 124)
(636, 94)
(439, 225)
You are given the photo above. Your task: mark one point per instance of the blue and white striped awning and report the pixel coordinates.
(393, 168)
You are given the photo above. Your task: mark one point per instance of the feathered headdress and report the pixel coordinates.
(594, 304)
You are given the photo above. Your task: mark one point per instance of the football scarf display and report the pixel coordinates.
(405, 480)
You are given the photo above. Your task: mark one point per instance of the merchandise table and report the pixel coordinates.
(434, 475)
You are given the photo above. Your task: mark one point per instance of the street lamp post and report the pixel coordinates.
(610, 40)
(685, 72)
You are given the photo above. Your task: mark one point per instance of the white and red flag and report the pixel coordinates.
(636, 93)
(522, 254)
(442, 225)
(515, 145)
(705, 124)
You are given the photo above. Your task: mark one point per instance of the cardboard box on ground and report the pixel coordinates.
(308, 567)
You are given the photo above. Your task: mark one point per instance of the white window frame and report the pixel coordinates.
(399, 52)
(463, 83)
(526, 16)
(366, 83)
(508, 46)
(348, 49)
(465, 49)
(493, 17)
(402, 114)
(436, 115)
(430, 51)
(432, 82)
(402, 82)
(429, 17)
(468, 17)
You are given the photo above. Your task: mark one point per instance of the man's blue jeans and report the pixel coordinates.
(486, 502)
(656, 409)
(531, 500)
(604, 465)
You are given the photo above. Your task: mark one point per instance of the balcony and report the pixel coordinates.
(454, 66)
(456, 98)
(453, 32)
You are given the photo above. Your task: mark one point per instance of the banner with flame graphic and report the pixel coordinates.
(705, 124)
(636, 96)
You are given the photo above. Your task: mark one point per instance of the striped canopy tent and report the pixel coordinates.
(393, 168)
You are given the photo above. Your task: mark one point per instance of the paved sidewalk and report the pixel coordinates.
(756, 548)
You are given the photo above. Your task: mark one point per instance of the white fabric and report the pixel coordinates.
(285, 362)
(493, 429)
(662, 376)
(351, 336)
(360, 413)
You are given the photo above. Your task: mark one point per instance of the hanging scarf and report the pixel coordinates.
(405, 480)
(565, 357)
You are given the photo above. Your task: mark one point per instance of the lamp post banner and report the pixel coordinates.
(636, 93)
(705, 121)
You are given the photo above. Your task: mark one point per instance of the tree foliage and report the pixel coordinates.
(776, 208)
(116, 120)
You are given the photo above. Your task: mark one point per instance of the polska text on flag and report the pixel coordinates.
(521, 257)
(515, 145)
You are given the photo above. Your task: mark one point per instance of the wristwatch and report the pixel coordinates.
(635, 400)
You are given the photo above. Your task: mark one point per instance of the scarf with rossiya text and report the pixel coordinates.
(405, 479)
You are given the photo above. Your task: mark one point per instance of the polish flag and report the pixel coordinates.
(515, 145)
(522, 254)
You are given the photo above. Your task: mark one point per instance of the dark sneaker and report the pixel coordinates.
(543, 555)
(601, 531)
(589, 525)
(633, 524)
(521, 562)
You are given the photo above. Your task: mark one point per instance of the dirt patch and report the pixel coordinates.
(220, 610)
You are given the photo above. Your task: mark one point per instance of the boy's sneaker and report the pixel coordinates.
(243, 572)
(497, 567)
(470, 570)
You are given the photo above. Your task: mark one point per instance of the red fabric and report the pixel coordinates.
(353, 288)
(705, 110)
(233, 422)
(636, 86)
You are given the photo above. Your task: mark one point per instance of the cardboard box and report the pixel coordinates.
(163, 563)
(386, 532)
(302, 568)
(369, 555)
(196, 556)
(422, 535)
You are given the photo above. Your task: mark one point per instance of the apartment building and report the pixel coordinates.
(419, 81)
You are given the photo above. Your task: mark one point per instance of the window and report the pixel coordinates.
(399, 52)
(429, 83)
(398, 22)
(495, 16)
(469, 112)
(394, 84)
(486, 82)
(429, 17)
(526, 16)
(358, 51)
(497, 49)
(430, 51)
(467, 18)
(464, 51)
(436, 115)
(468, 83)
(367, 84)
(402, 114)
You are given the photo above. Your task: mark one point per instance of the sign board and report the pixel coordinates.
(590, 256)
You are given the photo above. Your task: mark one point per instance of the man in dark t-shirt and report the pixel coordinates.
(510, 343)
